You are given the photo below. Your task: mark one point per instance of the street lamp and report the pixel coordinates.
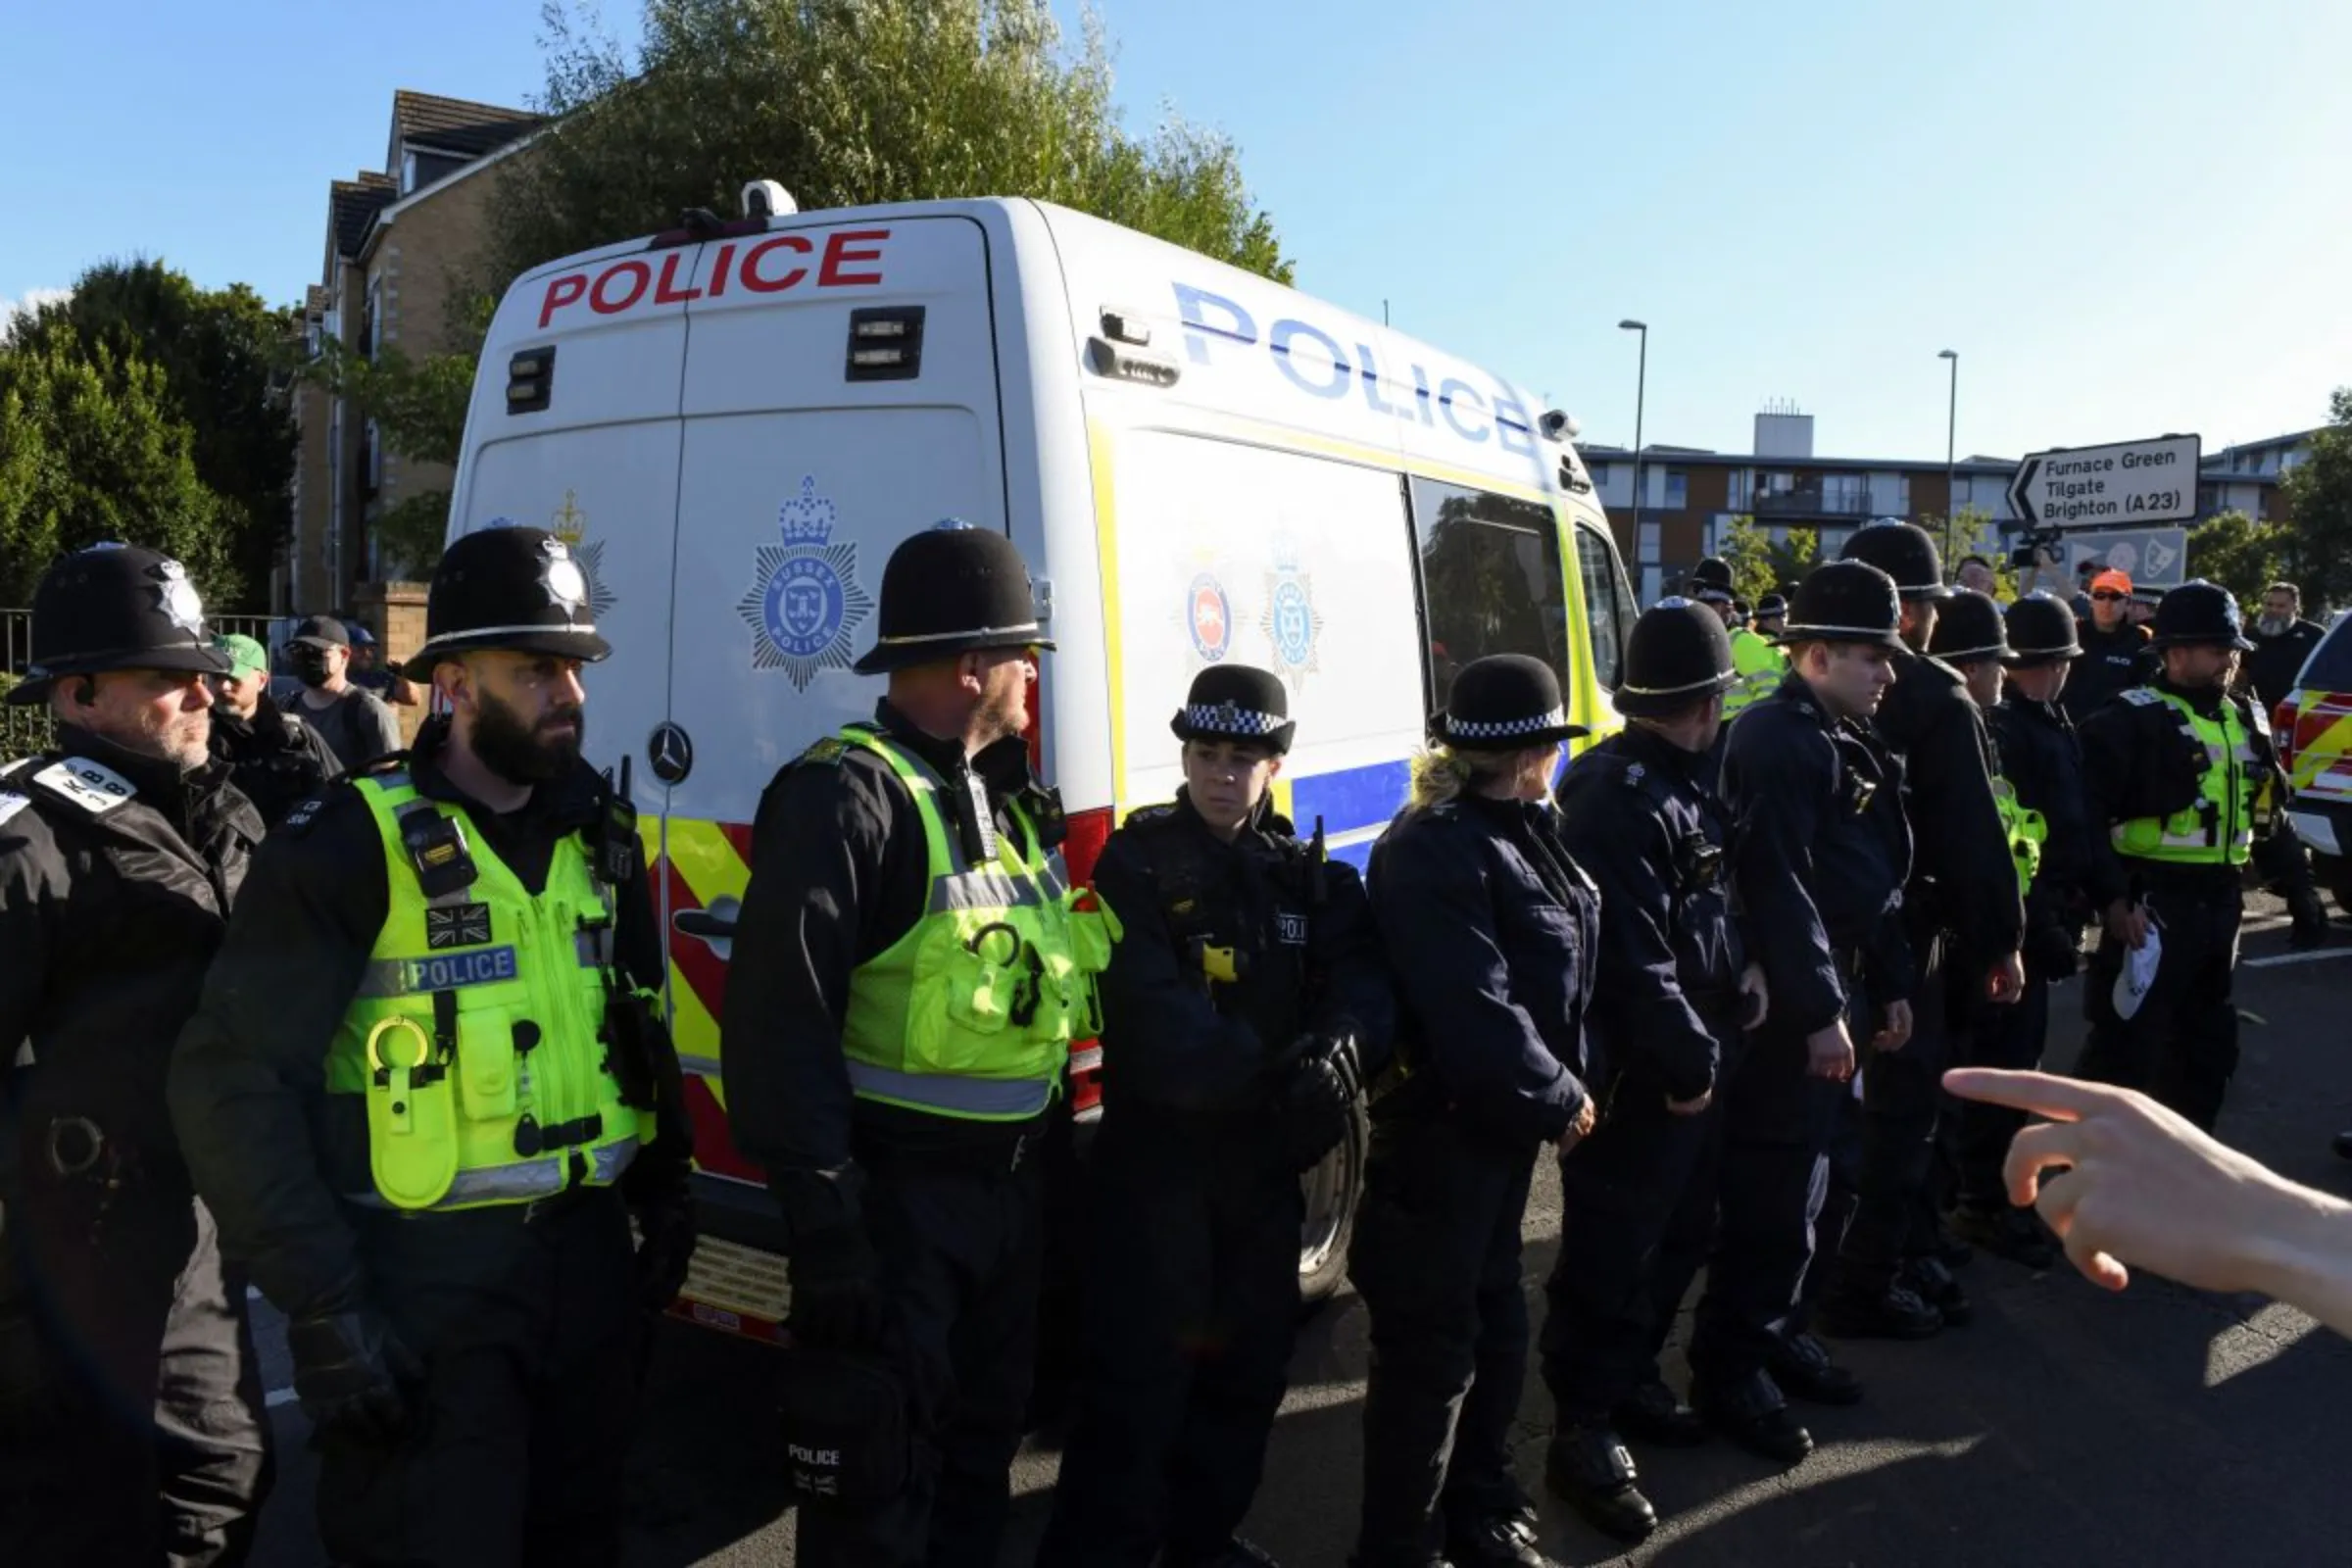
(1951, 428)
(1641, 391)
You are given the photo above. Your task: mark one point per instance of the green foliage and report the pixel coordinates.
(217, 350)
(846, 103)
(92, 447)
(409, 534)
(1760, 567)
(1795, 554)
(1975, 533)
(2317, 554)
(2243, 556)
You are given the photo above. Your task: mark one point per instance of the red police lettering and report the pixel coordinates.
(561, 291)
(641, 279)
(667, 291)
(719, 272)
(839, 255)
(757, 282)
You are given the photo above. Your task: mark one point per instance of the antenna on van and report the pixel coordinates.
(1384, 312)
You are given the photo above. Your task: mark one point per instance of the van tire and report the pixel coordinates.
(2335, 875)
(1332, 1190)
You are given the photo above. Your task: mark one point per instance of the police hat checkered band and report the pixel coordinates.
(1503, 729)
(1714, 595)
(1672, 601)
(1231, 718)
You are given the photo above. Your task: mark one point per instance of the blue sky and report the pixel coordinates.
(2128, 216)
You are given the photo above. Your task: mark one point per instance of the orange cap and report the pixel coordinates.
(2120, 582)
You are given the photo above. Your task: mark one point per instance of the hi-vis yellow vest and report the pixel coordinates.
(1762, 667)
(971, 1012)
(2219, 828)
(474, 1034)
(2026, 830)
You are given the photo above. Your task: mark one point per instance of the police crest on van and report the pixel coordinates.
(805, 600)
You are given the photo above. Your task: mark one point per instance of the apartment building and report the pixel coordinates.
(2246, 477)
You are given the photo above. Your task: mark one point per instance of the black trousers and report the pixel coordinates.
(1436, 1259)
(1191, 1307)
(2182, 1045)
(2010, 1037)
(134, 1433)
(1636, 1216)
(961, 1243)
(529, 1326)
(1902, 1094)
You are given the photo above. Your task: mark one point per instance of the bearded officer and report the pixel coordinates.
(426, 1086)
(1637, 1198)
(1240, 1010)
(908, 972)
(2181, 778)
(131, 1424)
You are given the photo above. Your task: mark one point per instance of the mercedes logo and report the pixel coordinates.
(670, 753)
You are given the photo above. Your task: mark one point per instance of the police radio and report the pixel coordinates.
(612, 839)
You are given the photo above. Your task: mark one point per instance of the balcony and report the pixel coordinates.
(1812, 501)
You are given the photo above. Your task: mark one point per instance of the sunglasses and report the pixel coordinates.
(2108, 593)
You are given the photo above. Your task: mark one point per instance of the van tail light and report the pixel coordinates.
(1088, 832)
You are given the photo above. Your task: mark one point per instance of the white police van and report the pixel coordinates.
(734, 423)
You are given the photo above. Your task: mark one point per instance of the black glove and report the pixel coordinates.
(665, 1236)
(836, 1298)
(1319, 1099)
(2052, 953)
(352, 1374)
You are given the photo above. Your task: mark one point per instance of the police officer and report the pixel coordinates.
(1772, 613)
(1490, 929)
(425, 1087)
(131, 1423)
(1758, 663)
(2181, 777)
(908, 972)
(2042, 763)
(275, 758)
(1637, 1198)
(1243, 1005)
(1820, 853)
(1966, 920)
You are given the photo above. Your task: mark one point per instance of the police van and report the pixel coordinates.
(733, 423)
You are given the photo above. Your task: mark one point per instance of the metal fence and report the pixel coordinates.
(25, 730)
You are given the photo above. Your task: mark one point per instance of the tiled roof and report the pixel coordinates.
(456, 125)
(351, 203)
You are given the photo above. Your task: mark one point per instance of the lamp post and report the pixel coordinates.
(1640, 391)
(1951, 428)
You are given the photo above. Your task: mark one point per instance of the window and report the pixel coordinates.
(1843, 492)
(1647, 543)
(2330, 667)
(1491, 580)
(1891, 495)
(1599, 472)
(1608, 603)
(1736, 489)
(1678, 490)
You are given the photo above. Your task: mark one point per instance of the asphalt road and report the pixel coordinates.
(2063, 1425)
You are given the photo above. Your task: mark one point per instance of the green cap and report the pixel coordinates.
(244, 654)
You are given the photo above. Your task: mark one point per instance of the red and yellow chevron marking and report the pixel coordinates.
(2321, 745)
(706, 861)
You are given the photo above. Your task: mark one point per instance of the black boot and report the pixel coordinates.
(1652, 1414)
(1803, 1367)
(1588, 1468)
(2310, 928)
(1893, 1313)
(1504, 1540)
(1933, 1283)
(1752, 1412)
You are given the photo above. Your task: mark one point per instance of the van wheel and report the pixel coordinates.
(2335, 873)
(1332, 1190)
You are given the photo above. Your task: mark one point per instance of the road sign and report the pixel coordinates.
(2153, 557)
(2129, 484)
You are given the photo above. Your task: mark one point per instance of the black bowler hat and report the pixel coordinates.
(1710, 580)
(506, 587)
(1236, 703)
(116, 606)
(1845, 602)
(2199, 613)
(1678, 653)
(1903, 551)
(2042, 629)
(1771, 605)
(320, 631)
(953, 589)
(1504, 703)
(1970, 627)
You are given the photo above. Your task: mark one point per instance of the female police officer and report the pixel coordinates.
(1238, 1006)
(1490, 929)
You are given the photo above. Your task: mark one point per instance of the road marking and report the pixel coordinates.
(2275, 960)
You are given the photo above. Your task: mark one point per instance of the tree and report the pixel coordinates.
(2318, 555)
(218, 352)
(2243, 556)
(1798, 553)
(92, 447)
(1760, 566)
(851, 102)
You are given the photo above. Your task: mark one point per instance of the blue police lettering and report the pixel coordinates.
(1191, 306)
(459, 969)
(1285, 333)
(1452, 390)
(1370, 368)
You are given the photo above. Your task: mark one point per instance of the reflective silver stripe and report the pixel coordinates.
(987, 889)
(976, 1096)
(609, 1161)
(594, 945)
(518, 1184)
(397, 780)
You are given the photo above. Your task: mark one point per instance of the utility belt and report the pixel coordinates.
(1003, 1149)
(2207, 877)
(536, 1212)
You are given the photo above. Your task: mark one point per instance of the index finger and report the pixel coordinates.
(2059, 1099)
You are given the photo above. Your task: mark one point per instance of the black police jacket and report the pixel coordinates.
(1637, 818)
(275, 758)
(1296, 934)
(1492, 934)
(839, 872)
(2042, 760)
(2112, 662)
(2139, 761)
(270, 1148)
(2277, 660)
(117, 874)
(1819, 855)
(1962, 878)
